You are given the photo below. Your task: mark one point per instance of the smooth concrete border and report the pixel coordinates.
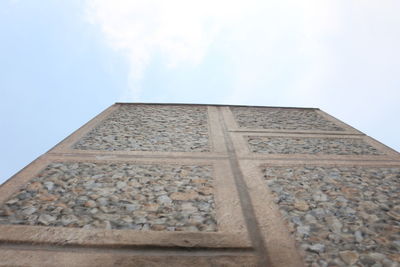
(45, 258)
(98, 238)
(234, 126)
(231, 227)
(243, 148)
(139, 154)
(212, 105)
(326, 163)
(253, 230)
(280, 246)
(216, 133)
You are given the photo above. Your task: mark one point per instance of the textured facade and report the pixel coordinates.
(206, 185)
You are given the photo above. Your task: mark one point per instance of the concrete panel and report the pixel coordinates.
(215, 183)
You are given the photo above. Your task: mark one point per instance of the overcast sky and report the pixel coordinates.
(63, 62)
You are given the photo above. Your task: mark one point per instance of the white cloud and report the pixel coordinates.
(260, 37)
(179, 31)
(283, 55)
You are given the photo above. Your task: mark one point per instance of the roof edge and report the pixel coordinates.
(218, 105)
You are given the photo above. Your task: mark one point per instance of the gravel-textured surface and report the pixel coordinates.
(150, 128)
(116, 196)
(282, 119)
(341, 216)
(310, 145)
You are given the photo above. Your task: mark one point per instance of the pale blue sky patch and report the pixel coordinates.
(55, 74)
(62, 62)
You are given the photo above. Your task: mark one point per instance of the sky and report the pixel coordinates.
(63, 62)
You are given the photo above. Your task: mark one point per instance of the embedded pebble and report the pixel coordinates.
(319, 248)
(46, 219)
(28, 210)
(90, 204)
(165, 200)
(49, 185)
(349, 257)
(301, 205)
(319, 196)
(358, 236)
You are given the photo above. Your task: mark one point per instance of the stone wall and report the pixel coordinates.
(179, 185)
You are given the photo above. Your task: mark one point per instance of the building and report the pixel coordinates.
(206, 185)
